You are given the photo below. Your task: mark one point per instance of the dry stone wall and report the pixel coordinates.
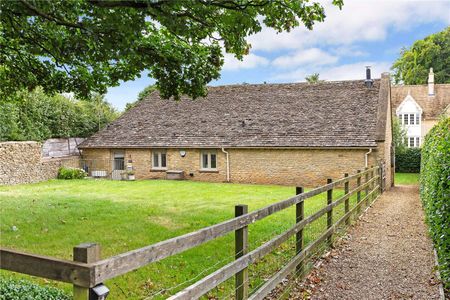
(22, 162)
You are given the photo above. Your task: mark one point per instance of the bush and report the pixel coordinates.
(12, 289)
(408, 160)
(435, 192)
(71, 173)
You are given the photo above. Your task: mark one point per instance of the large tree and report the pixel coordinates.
(88, 45)
(413, 65)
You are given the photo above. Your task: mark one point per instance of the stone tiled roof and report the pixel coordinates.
(432, 106)
(329, 114)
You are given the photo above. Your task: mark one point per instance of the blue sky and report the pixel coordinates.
(364, 32)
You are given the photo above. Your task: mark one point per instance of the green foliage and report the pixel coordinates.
(141, 96)
(313, 78)
(89, 45)
(413, 65)
(398, 135)
(435, 191)
(36, 116)
(408, 160)
(11, 289)
(71, 173)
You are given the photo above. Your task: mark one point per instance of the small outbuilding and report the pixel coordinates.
(289, 134)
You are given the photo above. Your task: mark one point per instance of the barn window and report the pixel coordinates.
(159, 160)
(208, 160)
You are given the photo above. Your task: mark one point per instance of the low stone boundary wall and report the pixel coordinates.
(22, 162)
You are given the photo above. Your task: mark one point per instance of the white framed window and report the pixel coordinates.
(405, 119)
(208, 160)
(409, 119)
(159, 160)
(413, 142)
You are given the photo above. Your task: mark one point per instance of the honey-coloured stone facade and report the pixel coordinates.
(300, 167)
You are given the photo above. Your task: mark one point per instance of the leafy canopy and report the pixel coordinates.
(413, 65)
(89, 45)
(37, 116)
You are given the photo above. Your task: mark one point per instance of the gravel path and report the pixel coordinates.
(387, 255)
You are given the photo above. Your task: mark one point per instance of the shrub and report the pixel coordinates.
(71, 173)
(408, 160)
(435, 192)
(12, 289)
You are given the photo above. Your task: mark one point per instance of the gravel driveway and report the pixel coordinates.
(387, 255)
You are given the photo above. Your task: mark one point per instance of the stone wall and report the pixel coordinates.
(302, 167)
(22, 162)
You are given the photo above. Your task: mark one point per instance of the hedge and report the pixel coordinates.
(408, 160)
(13, 289)
(435, 192)
(71, 173)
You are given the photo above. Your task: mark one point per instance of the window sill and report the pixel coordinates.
(209, 171)
(158, 170)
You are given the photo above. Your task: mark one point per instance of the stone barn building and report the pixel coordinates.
(287, 134)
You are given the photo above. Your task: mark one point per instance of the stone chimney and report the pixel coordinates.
(431, 83)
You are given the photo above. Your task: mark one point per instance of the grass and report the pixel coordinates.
(406, 178)
(50, 218)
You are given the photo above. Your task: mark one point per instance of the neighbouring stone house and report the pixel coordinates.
(288, 134)
(419, 107)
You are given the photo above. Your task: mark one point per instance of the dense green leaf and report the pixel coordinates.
(407, 160)
(435, 192)
(36, 116)
(12, 289)
(413, 65)
(88, 45)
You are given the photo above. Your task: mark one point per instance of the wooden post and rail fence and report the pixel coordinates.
(88, 270)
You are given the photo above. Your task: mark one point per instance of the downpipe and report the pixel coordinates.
(366, 156)
(228, 164)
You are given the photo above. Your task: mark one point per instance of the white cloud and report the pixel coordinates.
(250, 61)
(358, 21)
(355, 71)
(342, 72)
(312, 56)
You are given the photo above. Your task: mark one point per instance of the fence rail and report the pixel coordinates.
(86, 273)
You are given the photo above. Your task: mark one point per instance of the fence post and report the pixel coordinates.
(85, 253)
(299, 215)
(372, 185)
(367, 186)
(329, 213)
(358, 194)
(380, 180)
(347, 201)
(241, 248)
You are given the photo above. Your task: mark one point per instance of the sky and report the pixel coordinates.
(363, 33)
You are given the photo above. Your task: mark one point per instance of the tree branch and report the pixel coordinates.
(49, 17)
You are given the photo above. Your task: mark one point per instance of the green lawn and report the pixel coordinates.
(406, 178)
(52, 217)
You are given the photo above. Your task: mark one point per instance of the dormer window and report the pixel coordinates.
(410, 119)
